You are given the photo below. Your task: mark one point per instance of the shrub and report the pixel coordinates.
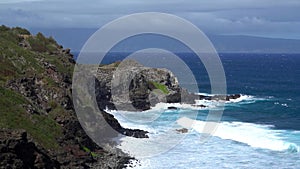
(21, 31)
(4, 28)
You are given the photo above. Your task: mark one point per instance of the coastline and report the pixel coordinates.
(39, 126)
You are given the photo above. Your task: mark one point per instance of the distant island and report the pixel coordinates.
(222, 43)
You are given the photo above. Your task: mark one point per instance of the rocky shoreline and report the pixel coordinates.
(38, 124)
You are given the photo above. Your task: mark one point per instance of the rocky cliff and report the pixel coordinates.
(38, 124)
(128, 85)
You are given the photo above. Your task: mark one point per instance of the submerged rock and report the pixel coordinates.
(233, 96)
(173, 108)
(200, 105)
(183, 130)
(220, 97)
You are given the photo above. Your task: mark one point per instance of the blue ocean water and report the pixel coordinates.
(274, 78)
(259, 130)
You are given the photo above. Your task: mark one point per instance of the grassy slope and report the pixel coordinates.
(42, 128)
(17, 62)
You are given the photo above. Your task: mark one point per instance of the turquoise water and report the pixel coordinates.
(235, 144)
(259, 130)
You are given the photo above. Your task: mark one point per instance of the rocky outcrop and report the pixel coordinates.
(131, 86)
(127, 132)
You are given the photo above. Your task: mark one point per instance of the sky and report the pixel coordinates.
(266, 18)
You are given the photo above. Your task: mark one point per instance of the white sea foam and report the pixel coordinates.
(282, 104)
(204, 94)
(160, 107)
(164, 106)
(145, 120)
(254, 135)
(244, 99)
(163, 138)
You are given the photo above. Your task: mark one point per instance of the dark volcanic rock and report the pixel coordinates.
(103, 95)
(201, 106)
(172, 108)
(38, 82)
(34, 89)
(127, 132)
(220, 97)
(16, 151)
(183, 130)
(233, 96)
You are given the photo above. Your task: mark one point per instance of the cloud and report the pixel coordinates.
(16, 1)
(217, 17)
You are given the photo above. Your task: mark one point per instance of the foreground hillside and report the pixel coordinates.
(38, 125)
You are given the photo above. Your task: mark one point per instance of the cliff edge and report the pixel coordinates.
(38, 124)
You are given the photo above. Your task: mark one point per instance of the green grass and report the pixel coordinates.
(40, 43)
(50, 82)
(93, 154)
(161, 87)
(12, 115)
(19, 30)
(59, 63)
(17, 62)
(57, 111)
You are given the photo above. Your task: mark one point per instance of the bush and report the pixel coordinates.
(40, 43)
(21, 31)
(4, 28)
(37, 45)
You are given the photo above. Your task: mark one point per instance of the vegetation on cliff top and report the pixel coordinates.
(161, 87)
(36, 99)
(23, 55)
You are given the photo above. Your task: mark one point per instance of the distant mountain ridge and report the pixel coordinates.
(76, 37)
(252, 44)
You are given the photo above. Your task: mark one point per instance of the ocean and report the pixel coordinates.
(259, 130)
